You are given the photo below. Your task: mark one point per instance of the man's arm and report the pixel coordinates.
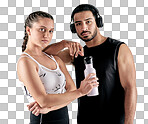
(67, 55)
(55, 48)
(127, 75)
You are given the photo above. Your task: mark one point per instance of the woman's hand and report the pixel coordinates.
(36, 109)
(74, 48)
(88, 84)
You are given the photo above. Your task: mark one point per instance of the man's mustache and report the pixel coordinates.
(85, 32)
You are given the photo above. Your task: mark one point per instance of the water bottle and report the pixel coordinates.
(89, 69)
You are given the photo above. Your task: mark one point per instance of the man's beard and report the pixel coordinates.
(89, 39)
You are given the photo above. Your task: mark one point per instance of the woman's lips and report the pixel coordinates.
(45, 41)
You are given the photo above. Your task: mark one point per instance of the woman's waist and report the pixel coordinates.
(56, 114)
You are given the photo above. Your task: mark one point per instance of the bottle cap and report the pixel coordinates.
(88, 60)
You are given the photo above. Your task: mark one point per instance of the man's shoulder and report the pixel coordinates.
(114, 41)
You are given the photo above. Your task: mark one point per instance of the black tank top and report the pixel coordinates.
(108, 106)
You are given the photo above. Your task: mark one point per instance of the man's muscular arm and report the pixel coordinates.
(127, 75)
(67, 55)
(55, 48)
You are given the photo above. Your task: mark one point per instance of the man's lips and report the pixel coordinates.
(85, 33)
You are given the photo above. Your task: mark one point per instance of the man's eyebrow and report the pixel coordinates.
(84, 20)
(88, 19)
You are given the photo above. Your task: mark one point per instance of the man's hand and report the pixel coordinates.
(36, 109)
(74, 48)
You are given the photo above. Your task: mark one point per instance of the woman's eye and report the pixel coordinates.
(51, 31)
(42, 29)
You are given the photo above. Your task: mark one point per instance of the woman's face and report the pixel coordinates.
(41, 32)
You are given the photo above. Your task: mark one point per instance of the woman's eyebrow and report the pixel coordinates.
(45, 27)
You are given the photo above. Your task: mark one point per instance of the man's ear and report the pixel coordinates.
(28, 30)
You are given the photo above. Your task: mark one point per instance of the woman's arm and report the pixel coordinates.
(36, 109)
(27, 73)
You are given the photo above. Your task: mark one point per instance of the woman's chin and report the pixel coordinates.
(44, 46)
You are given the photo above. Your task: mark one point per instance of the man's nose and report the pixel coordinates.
(84, 27)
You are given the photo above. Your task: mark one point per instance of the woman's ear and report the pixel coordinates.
(28, 30)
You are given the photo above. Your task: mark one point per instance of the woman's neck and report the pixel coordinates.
(34, 50)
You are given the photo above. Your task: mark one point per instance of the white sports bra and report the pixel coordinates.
(53, 80)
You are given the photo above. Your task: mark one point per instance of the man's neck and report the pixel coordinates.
(99, 39)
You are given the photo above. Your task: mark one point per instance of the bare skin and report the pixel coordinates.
(40, 36)
(84, 21)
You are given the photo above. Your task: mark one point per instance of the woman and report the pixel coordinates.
(45, 77)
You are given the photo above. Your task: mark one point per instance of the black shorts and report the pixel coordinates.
(59, 116)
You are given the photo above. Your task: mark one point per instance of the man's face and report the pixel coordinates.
(85, 25)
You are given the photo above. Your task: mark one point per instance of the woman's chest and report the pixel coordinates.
(53, 81)
(47, 62)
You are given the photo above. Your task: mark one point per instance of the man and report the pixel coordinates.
(113, 61)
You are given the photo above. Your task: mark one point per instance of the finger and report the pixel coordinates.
(77, 50)
(74, 48)
(31, 104)
(33, 107)
(89, 81)
(37, 112)
(81, 50)
(89, 76)
(94, 79)
(95, 84)
(70, 49)
(91, 86)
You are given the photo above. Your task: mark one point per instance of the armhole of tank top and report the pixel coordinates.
(116, 55)
(50, 56)
(39, 67)
(55, 61)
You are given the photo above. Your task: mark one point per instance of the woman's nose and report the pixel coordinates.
(46, 34)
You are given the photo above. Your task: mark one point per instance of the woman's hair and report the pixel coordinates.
(33, 17)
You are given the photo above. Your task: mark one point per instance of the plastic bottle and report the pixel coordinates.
(89, 69)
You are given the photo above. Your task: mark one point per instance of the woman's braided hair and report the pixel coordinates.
(33, 17)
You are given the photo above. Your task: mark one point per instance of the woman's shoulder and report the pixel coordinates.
(25, 65)
(25, 61)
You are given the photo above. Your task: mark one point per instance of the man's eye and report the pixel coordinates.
(42, 30)
(77, 24)
(88, 22)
